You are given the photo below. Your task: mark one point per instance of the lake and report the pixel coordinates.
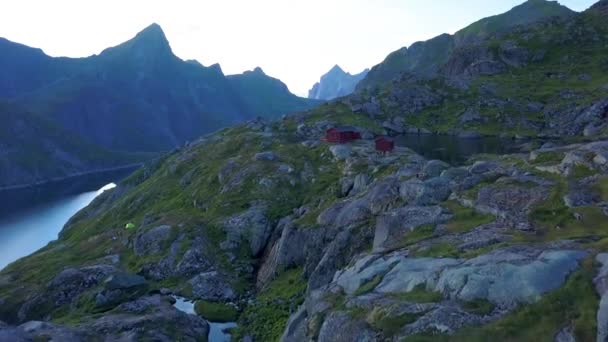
(456, 150)
(32, 217)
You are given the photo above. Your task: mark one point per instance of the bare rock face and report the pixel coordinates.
(341, 327)
(251, 226)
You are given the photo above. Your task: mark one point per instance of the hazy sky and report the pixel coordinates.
(294, 40)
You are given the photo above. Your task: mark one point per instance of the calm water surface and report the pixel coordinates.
(217, 331)
(32, 217)
(455, 150)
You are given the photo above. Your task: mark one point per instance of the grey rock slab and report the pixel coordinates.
(507, 277)
(342, 327)
(151, 241)
(364, 270)
(396, 224)
(411, 272)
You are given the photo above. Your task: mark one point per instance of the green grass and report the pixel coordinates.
(465, 219)
(382, 320)
(602, 186)
(420, 233)
(573, 304)
(419, 295)
(265, 320)
(369, 285)
(438, 250)
(479, 306)
(549, 157)
(216, 312)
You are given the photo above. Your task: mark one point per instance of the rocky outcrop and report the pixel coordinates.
(251, 226)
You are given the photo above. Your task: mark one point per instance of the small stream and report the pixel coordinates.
(216, 330)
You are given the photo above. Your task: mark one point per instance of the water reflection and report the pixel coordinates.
(453, 149)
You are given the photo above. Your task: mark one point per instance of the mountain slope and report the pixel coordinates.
(335, 83)
(256, 224)
(545, 79)
(134, 97)
(34, 149)
(426, 57)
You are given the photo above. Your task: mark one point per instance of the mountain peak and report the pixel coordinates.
(336, 69)
(259, 70)
(152, 34)
(600, 7)
(148, 45)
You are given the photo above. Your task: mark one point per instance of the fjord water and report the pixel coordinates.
(32, 217)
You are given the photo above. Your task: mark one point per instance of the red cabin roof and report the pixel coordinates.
(342, 134)
(385, 144)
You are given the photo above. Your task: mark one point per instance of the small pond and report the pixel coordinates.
(217, 331)
(456, 150)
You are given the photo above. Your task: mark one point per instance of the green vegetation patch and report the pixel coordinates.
(438, 250)
(419, 295)
(265, 320)
(215, 311)
(389, 324)
(465, 219)
(418, 234)
(548, 157)
(369, 285)
(479, 306)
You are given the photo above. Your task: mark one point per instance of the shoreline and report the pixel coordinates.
(73, 175)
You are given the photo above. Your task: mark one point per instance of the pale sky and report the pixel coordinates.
(294, 40)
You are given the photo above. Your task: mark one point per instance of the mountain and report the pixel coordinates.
(426, 57)
(335, 83)
(267, 225)
(267, 96)
(546, 78)
(137, 96)
(35, 149)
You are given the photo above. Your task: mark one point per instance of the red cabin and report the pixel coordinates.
(385, 144)
(342, 135)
